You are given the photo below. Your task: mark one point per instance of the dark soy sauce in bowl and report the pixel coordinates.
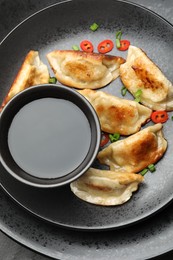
(49, 134)
(49, 137)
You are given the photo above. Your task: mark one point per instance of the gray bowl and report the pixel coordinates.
(49, 134)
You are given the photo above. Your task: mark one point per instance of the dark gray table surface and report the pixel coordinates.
(10, 16)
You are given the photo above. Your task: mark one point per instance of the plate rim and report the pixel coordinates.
(68, 1)
(43, 250)
(87, 229)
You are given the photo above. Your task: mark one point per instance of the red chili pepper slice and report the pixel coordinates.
(105, 46)
(124, 45)
(104, 139)
(87, 46)
(159, 116)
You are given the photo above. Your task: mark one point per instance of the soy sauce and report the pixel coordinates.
(49, 138)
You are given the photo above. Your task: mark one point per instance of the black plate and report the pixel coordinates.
(153, 238)
(60, 27)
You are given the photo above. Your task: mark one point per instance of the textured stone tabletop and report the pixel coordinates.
(9, 249)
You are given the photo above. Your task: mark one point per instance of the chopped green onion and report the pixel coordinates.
(151, 167)
(123, 91)
(114, 137)
(94, 27)
(118, 35)
(118, 38)
(75, 48)
(137, 95)
(118, 44)
(172, 118)
(52, 80)
(143, 172)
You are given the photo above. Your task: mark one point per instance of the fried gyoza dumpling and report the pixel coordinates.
(139, 72)
(84, 70)
(117, 115)
(104, 187)
(136, 152)
(32, 72)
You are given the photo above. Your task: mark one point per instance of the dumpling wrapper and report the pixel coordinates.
(84, 70)
(140, 72)
(136, 152)
(104, 187)
(117, 115)
(32, 72)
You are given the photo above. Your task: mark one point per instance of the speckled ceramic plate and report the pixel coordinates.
(60, 27)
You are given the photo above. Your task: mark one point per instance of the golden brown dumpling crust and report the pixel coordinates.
(117, 115)
(84, 70)
(136, 152)
(104, 187)
(32, 72)
(139, 72)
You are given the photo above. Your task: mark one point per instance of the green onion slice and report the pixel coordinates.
(118, 35)
(172, 118)
(114, 137)
(52, 80)
(75, 48)
(118, 44)
(137, 95)
(118, 38)
(123, 91)
(151, 167)
(94, 27)
(143, 172)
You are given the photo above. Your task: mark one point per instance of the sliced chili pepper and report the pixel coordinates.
(105, 46)
(104, 139)
(159, 116)
(87, 46)
(124, 45)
